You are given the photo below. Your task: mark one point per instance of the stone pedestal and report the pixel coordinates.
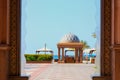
(116, 62)
(101, 78)
(3, 62)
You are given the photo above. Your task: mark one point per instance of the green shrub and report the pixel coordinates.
(30, 58)
(38, 57)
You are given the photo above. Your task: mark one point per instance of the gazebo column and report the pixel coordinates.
(65, 52)
(63, 55)
(58, 54)
(76, 55)
(81, 55)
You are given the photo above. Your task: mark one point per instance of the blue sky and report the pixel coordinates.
(47, 21)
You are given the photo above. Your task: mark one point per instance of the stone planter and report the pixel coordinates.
(38, 61)
(55, 60)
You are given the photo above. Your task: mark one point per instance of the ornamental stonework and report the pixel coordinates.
(13, 38)
(107, 38)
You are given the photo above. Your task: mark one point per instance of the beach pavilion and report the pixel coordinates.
(45, 49)
(70, 41)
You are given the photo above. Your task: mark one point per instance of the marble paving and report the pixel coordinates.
(55, 71)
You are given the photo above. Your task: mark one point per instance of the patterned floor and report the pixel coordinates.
(60, 71)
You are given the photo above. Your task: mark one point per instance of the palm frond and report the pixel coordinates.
(85, 44)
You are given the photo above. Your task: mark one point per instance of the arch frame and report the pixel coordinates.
(15, 37)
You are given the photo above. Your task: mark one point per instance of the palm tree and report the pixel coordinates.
(85, 45)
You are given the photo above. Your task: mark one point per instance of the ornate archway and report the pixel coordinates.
(10, 39)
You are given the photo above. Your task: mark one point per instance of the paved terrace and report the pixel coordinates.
(60, 71)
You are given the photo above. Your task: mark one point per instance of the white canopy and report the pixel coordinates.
(88, 50)
(44, 50)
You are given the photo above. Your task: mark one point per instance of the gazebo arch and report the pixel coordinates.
(69, 49)
(70, 41)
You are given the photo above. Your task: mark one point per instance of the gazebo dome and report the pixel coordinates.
(69, 38)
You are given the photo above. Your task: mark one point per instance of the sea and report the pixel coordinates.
(84, 55)
(55, 57)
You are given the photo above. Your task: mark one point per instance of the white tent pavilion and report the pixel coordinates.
(89, 50)
(44, 50)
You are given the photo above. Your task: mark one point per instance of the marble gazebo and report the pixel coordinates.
(70, 41)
